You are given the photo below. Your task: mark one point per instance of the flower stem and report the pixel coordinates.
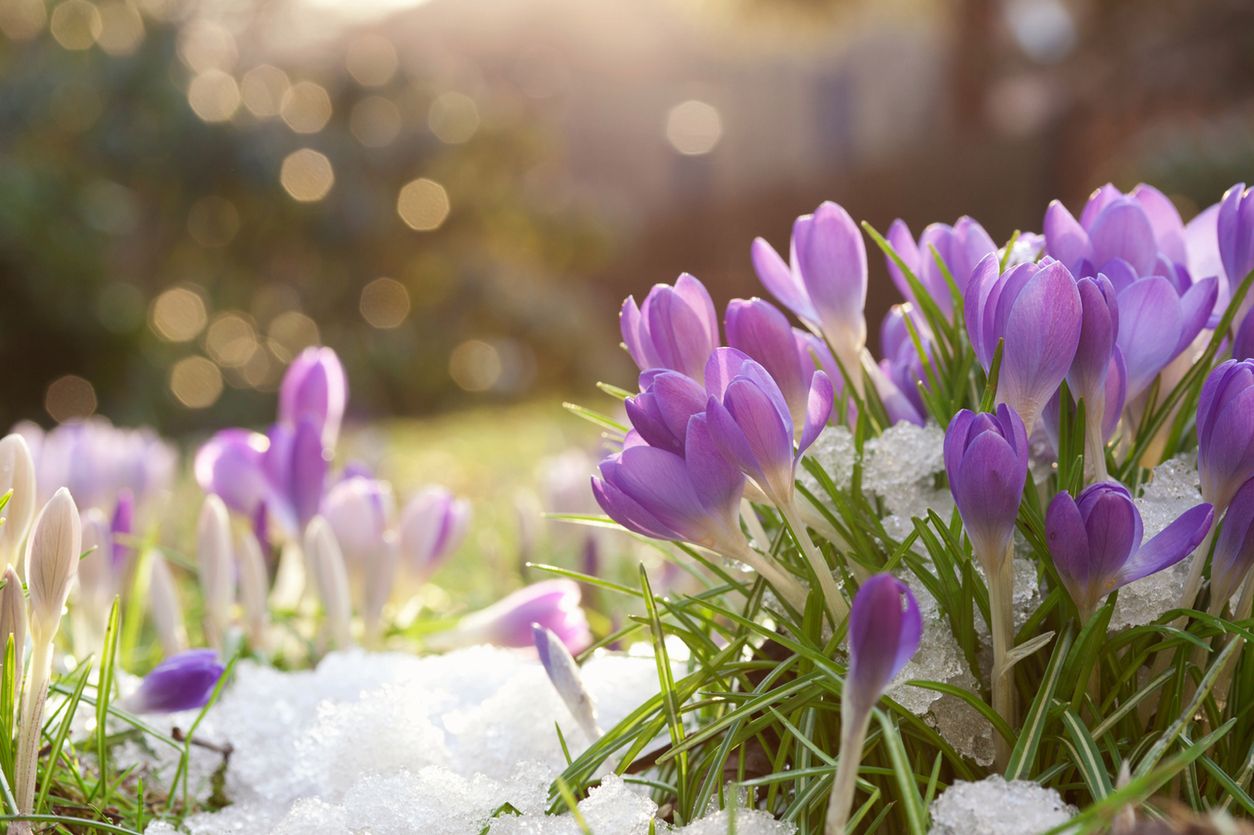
(1095, 443)
(785, 585)
(29, 727)
(853, 727)
(836, 605)
(1001, 583)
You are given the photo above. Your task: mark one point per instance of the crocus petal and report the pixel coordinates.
(1243, 344)
(629, 513)
(780, 281)
(989, 487)
(757, 328)
(832, 261)
(1068, 543)
(884, 632)
(230, 466)
(723, 366)
(181, 682)
(1065, 238)
(1164, 219)
(1149, 330)
(1173, 544)
(1195, 309)
(1122, 230)
(1234, 549)
(1235, 226)
(1113, 525)
(631, 325)
(818, 410)
(1099, 324)
(718, 483)
(903, 243)
(316, 389)
(1041, 338)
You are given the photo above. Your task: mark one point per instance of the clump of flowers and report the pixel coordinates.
(1062, 369)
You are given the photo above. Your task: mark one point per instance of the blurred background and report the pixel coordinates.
(456, 195)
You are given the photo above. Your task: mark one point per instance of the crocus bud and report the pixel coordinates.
(676, 327)
(884, 631)
(763, 333)
(752, 426)
(1035, 309)
(181, 682)
(1135, 229)
(960, 247)
(254, 587)
(164, 607)
(1225, 431)
(359, 511)
(1099, 325)
(563, 672)
(1095, 541)
(216, 568)
(1234, 549)
(331, 580)
(17, 473)
(553, 604)
(986, 459)
(315, 388)
(52, 554)
(1235, 225)
(13, 622)
(431, 527)
(97, 577)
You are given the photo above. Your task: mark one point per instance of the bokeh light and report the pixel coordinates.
(371, 60)
(306, 107)
(263, 88)
(475, 365)
(231, 340)
(213, 221)
(22, 20)
(206, 45)
(693, 127)
(453, 118)
(384, 303)
(122, 27)
(375, 121)
(213, 95)
(307, 175)
(195, 382)
(290, 333)
(70, 397)
(178, 314)
(423, 204)
(76, 24)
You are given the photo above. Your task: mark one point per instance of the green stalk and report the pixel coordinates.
(835, 601)
(853, 727)
(29, 732)
(1001, 588)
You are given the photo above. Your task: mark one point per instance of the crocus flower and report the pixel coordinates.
(1243, 343)
(181, 682)
(1135, 228)
(675, 328)
(13, 622)
(1159, 319)
(282, 473)
(1234, 548)
(553, 604)
(660, 412)
(216, 568)
(986, 459)
(314, 388)
(360, 512)
(960, 246)
(563, 673)
(1090, 369)
(330, 578)
(759, 330)
(752, 425)
(1095, 541)
(17, 473)
(431, 526)
(254, 587)
(1235, 227)
(1036, 310)
(1225, 431)
(884, 632)
(164, 608)
(825, 283)
(52, 555)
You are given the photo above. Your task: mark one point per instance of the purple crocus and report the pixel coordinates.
(552, 604)
(432, 526)
(961, 246)
(1095, 541)
(1234, 225)
(884, 632)
(676, 327)
(1094, 358)
(1225, 431)
(315, 388)
(986, 459)
(1234, 548)
(661, 410)
(564, 675)
(759, 330)
(1159, 318)
(825, 282)
(282, 473)
(1243, 343)
(1036, 310)
(181, 682)
(752, 425)
(1136, 228)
